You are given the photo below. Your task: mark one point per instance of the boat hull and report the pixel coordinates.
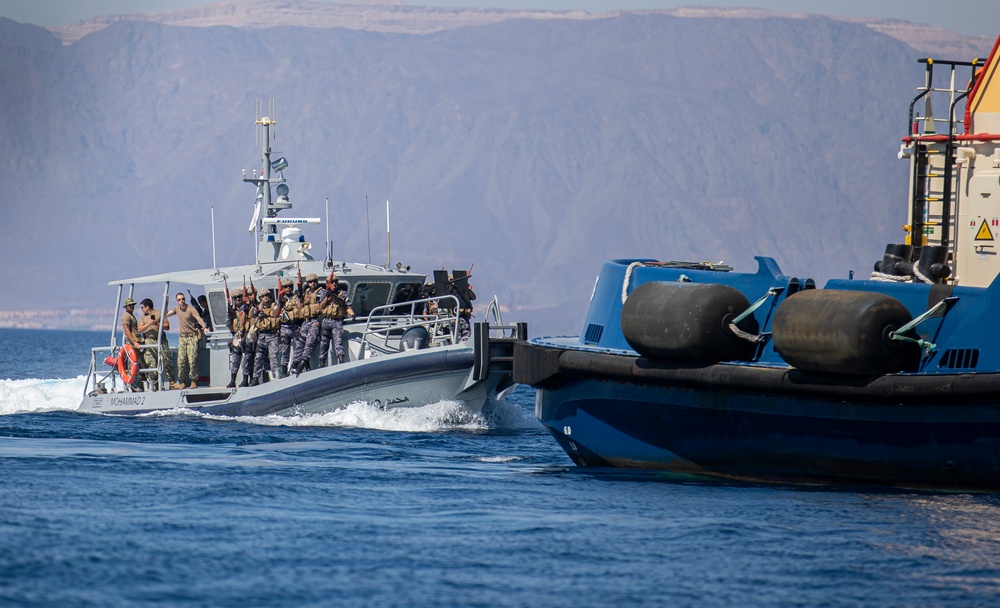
(410, 379)
(785, 427)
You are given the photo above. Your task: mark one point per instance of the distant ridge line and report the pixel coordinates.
(393, 16)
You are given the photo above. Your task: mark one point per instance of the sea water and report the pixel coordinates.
(427, 507)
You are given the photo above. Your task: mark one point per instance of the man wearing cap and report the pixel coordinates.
(289, 327)
(240, 349)
(129, 325)
(149, 331)
(191, 325)
(334, 308)
(309, 307)
(267, 323)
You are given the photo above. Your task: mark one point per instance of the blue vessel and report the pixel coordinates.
(892, 379)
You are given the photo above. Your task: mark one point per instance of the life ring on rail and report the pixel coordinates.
(128, 363)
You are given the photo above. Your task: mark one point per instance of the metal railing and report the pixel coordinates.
(98, 379)
(385, 326)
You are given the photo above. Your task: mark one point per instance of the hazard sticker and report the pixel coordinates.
(984, 233)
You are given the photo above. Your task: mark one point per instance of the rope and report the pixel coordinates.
(739, 333)
(893, 278)
(920, 275)
(628, 279)
(889, 278)
(929, 347)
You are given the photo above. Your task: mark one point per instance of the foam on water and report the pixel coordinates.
(40, 395)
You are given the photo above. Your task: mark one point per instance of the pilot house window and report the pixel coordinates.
(368, 296)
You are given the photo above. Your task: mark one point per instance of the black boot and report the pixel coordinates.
(254, 382)
(244, 383)
(232, 381)
(340, 359)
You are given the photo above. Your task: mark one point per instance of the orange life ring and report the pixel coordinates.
(128, 363)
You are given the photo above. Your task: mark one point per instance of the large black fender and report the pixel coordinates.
(687, 322)
(844, 332)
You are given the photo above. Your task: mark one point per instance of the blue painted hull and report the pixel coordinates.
(892, 378)
(773, 437)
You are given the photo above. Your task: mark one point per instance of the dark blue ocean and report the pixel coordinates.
(428, 507)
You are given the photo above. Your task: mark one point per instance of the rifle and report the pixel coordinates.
(331, 290)
(299, 266)
(229, 302)
(255, 300)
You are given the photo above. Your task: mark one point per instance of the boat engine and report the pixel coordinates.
(844, 332)
(687, 322)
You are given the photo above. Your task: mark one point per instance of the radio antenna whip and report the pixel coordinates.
(388, 233)
(369, 226)
(329, 243)
(215, 264)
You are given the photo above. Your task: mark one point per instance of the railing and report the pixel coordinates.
(497, 326)
(924, 173)
(96, 357)
(384, 328)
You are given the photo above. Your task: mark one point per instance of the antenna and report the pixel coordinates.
(215, 264)
(369, 226)
(388, 234)
(329, 243)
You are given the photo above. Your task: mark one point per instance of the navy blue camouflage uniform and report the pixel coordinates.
(241, 347)
(332, 321)
(288, 329)
(267, 340)
(308, 334)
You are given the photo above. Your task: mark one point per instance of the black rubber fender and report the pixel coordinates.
(687, 322)
(843, 332)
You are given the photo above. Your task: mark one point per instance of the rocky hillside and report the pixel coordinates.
(533, 146)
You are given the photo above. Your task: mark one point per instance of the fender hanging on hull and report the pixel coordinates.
(686, 322)
(844, 332)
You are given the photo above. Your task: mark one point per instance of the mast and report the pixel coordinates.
(272, 245)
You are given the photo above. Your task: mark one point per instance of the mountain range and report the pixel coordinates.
(528, 145)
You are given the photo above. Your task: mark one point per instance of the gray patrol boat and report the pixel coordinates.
(397, 353)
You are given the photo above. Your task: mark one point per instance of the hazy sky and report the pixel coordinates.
(977, 17)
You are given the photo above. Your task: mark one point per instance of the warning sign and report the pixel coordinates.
(984, 233)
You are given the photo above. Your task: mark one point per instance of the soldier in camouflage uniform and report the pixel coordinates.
(309, 307)
(334, 308)
(267, 322)
(240, 347)
(289, 328)
(465, 299)
(149, 331)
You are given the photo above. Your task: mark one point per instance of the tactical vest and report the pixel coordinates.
(265, 322)
(239, 321)
(335, 309)
(310, 305)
